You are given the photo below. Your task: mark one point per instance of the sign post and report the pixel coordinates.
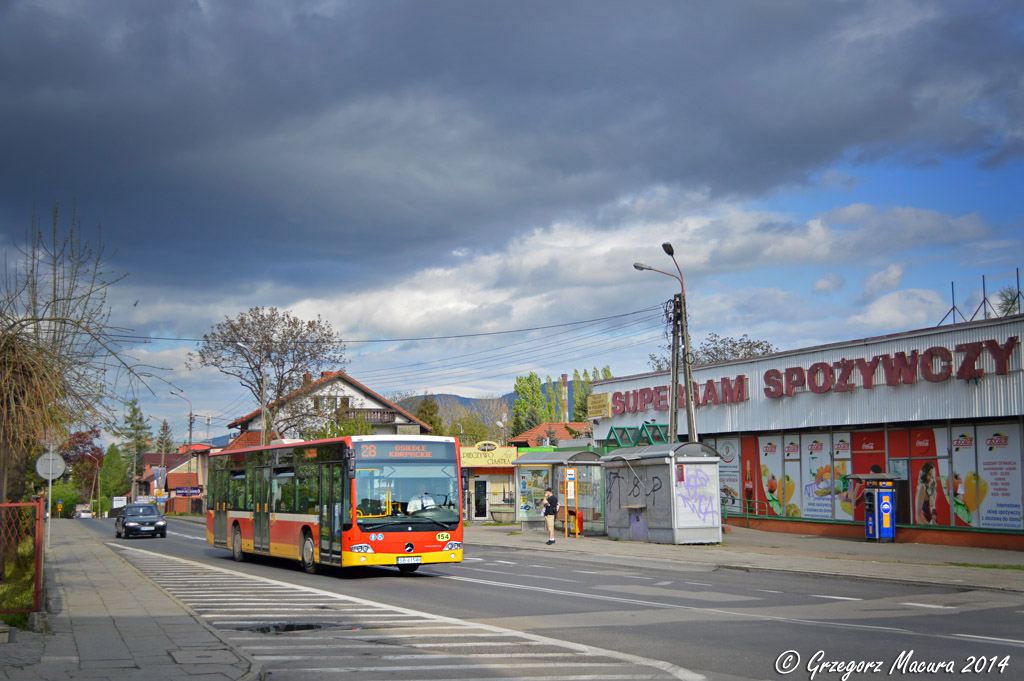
(50, 466)
(570, 496)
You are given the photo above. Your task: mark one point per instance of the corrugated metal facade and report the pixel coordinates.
(991, 396)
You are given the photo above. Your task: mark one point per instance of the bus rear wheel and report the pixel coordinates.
(236, 545)
(306, 554)
(408, 569)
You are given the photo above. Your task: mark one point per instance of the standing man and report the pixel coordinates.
(550, 510)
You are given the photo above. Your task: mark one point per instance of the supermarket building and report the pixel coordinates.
(939, 409)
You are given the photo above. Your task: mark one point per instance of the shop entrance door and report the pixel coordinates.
(480, 500)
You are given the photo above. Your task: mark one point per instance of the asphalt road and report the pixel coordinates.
(721, 624)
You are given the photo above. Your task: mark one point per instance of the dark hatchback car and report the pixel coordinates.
(140, 520)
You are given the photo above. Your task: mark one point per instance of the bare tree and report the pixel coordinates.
(61, 363)
(1009, 301)
(269, 352)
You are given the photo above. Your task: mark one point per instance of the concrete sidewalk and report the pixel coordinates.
(746, 549)
(110, 622)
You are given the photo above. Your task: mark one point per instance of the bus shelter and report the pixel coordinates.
(664, 494)
(536, 471)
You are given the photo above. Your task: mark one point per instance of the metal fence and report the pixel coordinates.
(21, 557)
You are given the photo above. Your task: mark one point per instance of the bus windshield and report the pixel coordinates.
(389, 492)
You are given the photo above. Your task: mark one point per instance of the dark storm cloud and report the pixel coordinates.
(341, 142)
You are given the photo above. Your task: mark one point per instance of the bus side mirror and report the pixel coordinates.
(349, 456)
(465, 478)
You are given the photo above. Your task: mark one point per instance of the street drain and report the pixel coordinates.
(284, 628)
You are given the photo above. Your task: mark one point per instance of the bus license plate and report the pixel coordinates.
(405, 560)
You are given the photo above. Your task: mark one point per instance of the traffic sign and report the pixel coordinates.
(50, 466)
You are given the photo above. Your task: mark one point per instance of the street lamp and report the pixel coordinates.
(191, 419)
(263, 389)
(679, 328)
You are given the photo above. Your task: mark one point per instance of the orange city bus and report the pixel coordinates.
(356, 500)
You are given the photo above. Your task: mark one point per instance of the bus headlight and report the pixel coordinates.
(362, 548)
(453, 546)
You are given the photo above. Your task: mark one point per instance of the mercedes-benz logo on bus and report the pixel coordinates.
(408, 547)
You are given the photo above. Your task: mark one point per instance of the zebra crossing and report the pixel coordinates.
(297, 632)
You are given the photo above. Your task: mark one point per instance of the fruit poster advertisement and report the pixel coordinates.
(842, 451)
(818, 482)
(998, 481)
(729, 472)
(963, 455)
(769, 451)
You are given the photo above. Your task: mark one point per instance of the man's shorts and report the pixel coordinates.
(549, 521)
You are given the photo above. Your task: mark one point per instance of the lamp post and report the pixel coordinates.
(679, 328)
(191, 419)
(263, 389)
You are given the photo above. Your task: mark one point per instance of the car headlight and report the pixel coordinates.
(453, 546)
(131, 523)
(161, 523)
(362, 548)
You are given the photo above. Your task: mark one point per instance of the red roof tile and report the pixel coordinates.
(534, 437)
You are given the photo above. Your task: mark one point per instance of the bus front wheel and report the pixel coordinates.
(408, 569)
(306, 555)
(236, 545)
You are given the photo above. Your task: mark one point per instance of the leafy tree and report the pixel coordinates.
(85, 459)
(68, 495)
(1008, 302)
(165, 439)
(473, 429)
(552, 400)
(265, 348)
(114, 474)
(135, 435)
(428, 412)
(582, 389)
(529, 403)
(60, 359)
(342, 426)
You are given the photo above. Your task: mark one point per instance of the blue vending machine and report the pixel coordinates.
(880, 509)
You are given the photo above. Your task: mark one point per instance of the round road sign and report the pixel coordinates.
(50, 466)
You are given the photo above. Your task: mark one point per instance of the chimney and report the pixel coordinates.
(565, 397)
(307, 379)
(325, 374)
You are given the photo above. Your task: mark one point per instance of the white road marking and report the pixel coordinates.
(698, 583)
(929, 605)
(835, 598)
(678, 672)
(991, 638)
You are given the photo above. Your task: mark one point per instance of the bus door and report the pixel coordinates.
(261, 510)
(332, 497)
(220, 486)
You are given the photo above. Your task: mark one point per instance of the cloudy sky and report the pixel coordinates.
(411, 170)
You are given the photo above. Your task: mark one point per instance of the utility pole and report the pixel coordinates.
(191, 421)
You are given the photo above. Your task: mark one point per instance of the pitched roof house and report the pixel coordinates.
(535, 437)
(318, 402)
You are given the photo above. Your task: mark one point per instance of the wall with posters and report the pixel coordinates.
(939, 409)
